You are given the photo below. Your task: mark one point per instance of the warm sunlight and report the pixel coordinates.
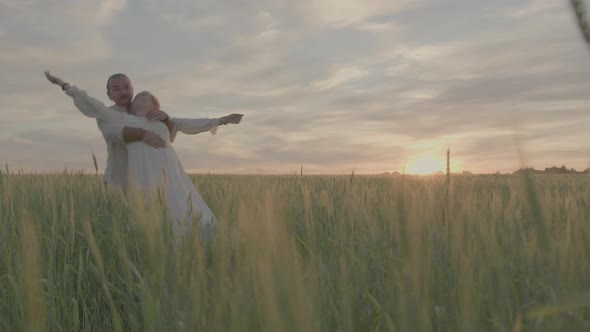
(425, 164)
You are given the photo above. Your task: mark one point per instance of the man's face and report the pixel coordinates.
(120, 90)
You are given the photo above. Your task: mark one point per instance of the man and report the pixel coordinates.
(116, 134)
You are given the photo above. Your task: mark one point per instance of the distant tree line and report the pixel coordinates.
(526, 170)
(551, 170)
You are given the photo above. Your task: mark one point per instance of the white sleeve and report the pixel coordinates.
(89, 106)
(193, 126)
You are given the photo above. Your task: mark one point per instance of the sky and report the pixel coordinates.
(333, 86)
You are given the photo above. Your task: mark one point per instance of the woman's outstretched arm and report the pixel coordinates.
(196, 126)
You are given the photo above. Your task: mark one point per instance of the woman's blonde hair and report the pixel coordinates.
(154, 99)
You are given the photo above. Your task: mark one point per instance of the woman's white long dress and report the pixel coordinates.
(152, 169)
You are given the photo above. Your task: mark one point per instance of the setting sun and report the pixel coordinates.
(425, 164)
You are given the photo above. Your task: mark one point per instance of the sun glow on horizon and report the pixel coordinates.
(425, 164)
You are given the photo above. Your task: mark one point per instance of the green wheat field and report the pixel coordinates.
(300, 253)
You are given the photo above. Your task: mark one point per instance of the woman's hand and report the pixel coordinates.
(232, 118)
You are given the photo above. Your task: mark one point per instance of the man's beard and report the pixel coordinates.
(126, 103)
(125, 99)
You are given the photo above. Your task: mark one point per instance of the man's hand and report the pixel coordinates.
(152, 139)
(53, 79)
(132, 134)
(157, 115)
(234, 118)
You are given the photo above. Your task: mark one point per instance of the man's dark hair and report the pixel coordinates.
(118, 75)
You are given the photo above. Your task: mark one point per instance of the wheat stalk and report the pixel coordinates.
(95, 163)
(580, 12)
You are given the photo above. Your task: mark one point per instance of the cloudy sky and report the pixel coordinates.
(333, 85)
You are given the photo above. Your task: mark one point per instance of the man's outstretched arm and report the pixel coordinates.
(109, 121)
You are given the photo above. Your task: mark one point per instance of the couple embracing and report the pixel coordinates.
(138, 135)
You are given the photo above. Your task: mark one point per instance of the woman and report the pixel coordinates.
(151, 169)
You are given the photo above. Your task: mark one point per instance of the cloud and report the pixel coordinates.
(339, 77)
(16, 4)
(535, 7)
(379, 27)
(341, 13)
(97, 13)
(89, 50)
(45, 149)
(57, 33)
(334, 86)
(471, 86)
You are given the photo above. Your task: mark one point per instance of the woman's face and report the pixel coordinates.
(143, 103)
